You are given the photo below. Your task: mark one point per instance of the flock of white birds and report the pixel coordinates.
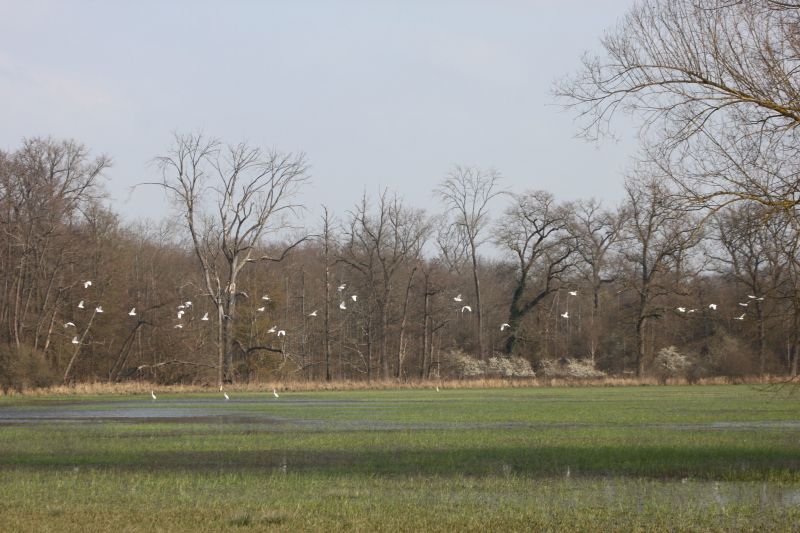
(458, 299)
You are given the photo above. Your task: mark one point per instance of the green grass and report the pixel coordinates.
(645, 458)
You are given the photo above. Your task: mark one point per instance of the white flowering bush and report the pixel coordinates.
(456, 363)
(670, 363)
(568, 368)
(509, 367)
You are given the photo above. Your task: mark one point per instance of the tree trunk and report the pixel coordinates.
(402, 344)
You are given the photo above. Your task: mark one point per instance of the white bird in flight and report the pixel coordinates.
(261, 309)
(691, 311)
(744, 304)
(713, 307)
(178, 326)
(342, 287)
(80, 304)
(565, 314)
(273, 329)
(504, 326)
(265, 298)
(354, 297)
(681, 309)
(313, 313)
(466, 308)
(275, 393)
(756, 298)
(87, 284)
(205, 317)
(458, 298)
(153, 395)
(188, 303)
(181, 313)
(75, 339)
(281, 333)
(573, 293)
(98, 309)
(739, 317)
(69, 324)
(342, 306)
(132, 312)
(181, 306)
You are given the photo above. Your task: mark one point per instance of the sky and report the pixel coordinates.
(375, 93)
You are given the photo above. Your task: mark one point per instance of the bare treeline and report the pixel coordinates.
(702, 254)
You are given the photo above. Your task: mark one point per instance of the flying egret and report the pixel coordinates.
(466, 308)
(744, 304)
(181, 306)
(178, 326)
(75, 339)
(573, 293)
(458, 298)
(681, 309)
(342, 306)
(756, 298)
(80, 304)
(739, 317)
(504, 326)
(692, 311)
(181, 313)
(265, 298)
(205, 317)
(354, 297)
(313, 313)
(87, 284)
(342, 287)
(132, 312)
(261, 309)
(281, 332)
(187, 303)
(565, 314)
(713, 307)
(69, 324)
(273, 329)
(153, 395)
(98, 309)
(275, 393)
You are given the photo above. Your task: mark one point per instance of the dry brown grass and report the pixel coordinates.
(143, 387)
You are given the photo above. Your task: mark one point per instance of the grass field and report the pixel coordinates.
(590, 458)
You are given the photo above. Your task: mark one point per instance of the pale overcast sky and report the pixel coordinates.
(376, 93)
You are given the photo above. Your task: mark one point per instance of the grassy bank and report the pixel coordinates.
(588, 458)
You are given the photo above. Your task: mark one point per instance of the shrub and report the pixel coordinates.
(24, 367)
(509, 367)
(569, 368)
(670, 363)
(456, 363)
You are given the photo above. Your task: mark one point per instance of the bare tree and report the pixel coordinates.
(467, 192)
(657, 232)
(231, 198)
(716, 87)
(536, 231)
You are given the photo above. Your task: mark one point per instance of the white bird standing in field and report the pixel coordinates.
(75, 339)
(153, 395)
(224, 394)
(573, 293)
(69, 324)
(739, 317)
(565, 314)
(437, 388)
(132, 312)
(458, 298)
(504, 326)
(313, 313)
(87, 284)
(466, 308)
(354, 297)
(342, 306)
(98, 309)
(713, 307)
(275, 393)
(80, 305)
(205, 317)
